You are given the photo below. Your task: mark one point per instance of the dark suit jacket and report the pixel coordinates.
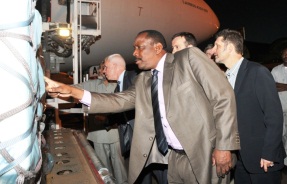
(122, 118)
(260, 117)
(128, 81)
(200, 108)
(129, 77)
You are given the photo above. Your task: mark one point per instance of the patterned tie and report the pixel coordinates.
(160, 137)
(117, 89)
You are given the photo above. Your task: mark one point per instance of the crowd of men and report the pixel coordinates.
(193, 123)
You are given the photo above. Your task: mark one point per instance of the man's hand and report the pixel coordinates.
(222, 160)
(265, 164)
(281, 87)
(57, 89)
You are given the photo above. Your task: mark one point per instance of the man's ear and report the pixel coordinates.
(230, 47)
(158, 48)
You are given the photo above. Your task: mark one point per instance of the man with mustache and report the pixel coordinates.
(197, 113)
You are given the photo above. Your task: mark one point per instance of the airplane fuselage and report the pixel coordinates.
(121, 20)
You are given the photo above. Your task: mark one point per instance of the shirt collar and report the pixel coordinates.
(160, 64)
(234, 70)
(121, 77)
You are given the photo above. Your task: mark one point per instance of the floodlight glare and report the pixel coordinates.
(64, 32)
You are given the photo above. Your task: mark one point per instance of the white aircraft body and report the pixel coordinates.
(121, 20)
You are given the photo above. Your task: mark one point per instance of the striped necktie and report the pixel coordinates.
(160, 137)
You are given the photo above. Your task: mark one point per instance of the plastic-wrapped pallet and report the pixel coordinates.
(22, 84)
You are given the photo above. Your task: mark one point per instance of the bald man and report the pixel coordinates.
(107, 138)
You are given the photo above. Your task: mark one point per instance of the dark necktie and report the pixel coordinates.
(117, 89)
(160, 137)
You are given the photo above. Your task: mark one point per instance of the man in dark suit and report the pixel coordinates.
(259, 112)
(197, 113)
(107, 138)
(115, 71)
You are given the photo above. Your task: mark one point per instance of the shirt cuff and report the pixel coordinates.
(87, 98)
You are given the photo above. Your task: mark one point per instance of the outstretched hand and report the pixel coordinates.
(57, 89)
(223, 162)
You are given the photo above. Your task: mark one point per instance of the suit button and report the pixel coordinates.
(145, 155)
(151, 138)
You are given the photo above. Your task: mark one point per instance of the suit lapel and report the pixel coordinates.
(240, 75)
(147, 81)
(167, 78)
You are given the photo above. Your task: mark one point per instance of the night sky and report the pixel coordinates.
(264, 20)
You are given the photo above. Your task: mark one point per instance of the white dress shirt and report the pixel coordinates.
(169, 134)
(231, 73)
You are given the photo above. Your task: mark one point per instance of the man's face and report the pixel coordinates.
(110, 70)
(178, 43)
(284, 57)
(221, 52)
(145, 52)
